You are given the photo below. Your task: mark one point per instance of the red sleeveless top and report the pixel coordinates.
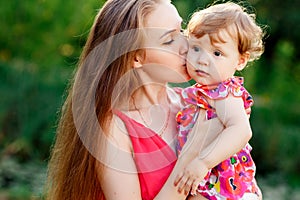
(154, 158)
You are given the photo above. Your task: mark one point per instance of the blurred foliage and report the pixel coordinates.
(41, 40)
(40, 44)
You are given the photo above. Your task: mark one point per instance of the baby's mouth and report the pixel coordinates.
(201, 72)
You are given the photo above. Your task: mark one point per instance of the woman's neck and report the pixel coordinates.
(151, 94)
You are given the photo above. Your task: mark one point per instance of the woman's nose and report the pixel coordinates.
(184, 46)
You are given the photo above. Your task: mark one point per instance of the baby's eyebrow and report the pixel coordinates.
(218, 45)
(193, 41)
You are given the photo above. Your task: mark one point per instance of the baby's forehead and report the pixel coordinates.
(218, 36)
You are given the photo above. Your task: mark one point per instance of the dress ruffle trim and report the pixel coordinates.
(198, 94)
(234, 86)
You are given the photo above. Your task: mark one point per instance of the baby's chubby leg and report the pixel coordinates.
(251, 196)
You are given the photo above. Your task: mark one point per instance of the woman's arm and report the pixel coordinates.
(117, 171)
(120, 185)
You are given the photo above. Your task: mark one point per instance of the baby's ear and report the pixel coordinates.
(138, 59)
(243, 60)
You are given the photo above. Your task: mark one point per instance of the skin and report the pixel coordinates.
(163, 45)
(210, 63)
(120, 179)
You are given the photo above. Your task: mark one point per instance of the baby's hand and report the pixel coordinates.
(189, 179)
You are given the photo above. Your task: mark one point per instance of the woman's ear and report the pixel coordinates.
(243, 60)
(138, 59)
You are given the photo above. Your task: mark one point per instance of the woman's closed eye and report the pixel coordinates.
(168, 42)
(172, 37)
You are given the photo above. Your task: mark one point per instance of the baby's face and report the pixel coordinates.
(211, 63)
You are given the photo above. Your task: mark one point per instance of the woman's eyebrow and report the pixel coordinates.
(166, 33)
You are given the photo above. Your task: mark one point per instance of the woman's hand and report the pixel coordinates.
(189, 179)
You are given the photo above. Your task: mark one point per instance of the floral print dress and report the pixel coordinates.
(233, 177)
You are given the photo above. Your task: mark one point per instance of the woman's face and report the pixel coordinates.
(166, 47)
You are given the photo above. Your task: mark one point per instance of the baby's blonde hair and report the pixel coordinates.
(235, 20)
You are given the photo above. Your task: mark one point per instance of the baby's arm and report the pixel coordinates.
(233, 138)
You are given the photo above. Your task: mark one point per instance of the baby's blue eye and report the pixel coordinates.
(196, 49)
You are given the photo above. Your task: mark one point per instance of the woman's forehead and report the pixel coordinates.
(164, 16)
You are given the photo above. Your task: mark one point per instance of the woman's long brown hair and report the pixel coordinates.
(72, 170)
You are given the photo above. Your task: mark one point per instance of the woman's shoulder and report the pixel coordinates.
(118, 135)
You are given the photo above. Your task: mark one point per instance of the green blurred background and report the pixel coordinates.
(40, 42)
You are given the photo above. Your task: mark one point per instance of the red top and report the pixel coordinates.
(154, 159)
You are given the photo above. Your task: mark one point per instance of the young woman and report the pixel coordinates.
(115, 138)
